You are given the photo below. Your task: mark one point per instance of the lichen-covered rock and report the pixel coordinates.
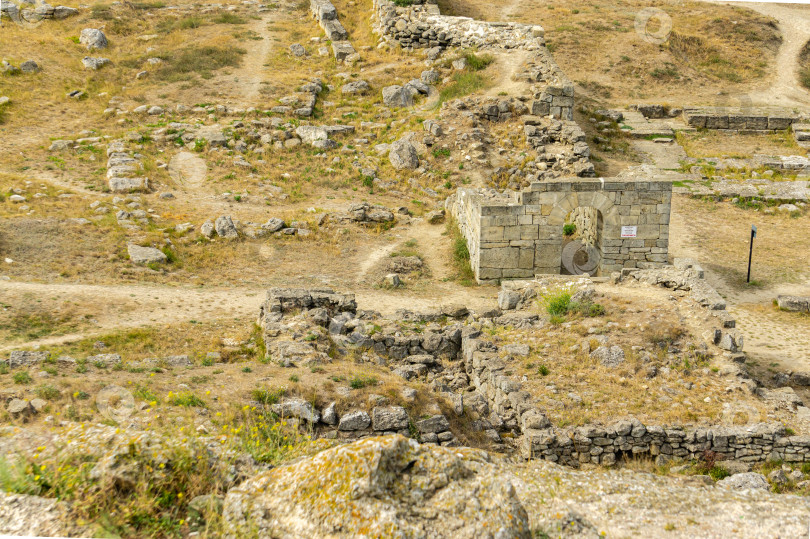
(397, 96)
(297, 407)
(23, 515)
(745, 481)
(403, 155)
(225, 227)
(380, 487)
(611, 356)
(93, 38)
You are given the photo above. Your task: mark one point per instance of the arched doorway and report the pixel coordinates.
(583, 232)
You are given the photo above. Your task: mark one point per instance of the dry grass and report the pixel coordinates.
(712, 47)
(711, 143)
(576, 389)
(720, 232)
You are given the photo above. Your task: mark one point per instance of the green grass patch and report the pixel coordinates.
(462, 85)
(266, 395)
(361, 381)
(460, 254)
(22, 378)
(186, 399)
(203, 61)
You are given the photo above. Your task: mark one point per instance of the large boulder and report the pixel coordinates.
(403, 155)
(93, 38)
(311, 133)
(360, 87)
(397, 96)
(225, 227)
(145, 255)
(380, 487)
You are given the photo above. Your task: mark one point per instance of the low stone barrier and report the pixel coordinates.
(733, 119)
(421, 25)
(326, 15)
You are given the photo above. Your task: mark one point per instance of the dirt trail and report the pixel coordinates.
(116, 307)
(794, 23)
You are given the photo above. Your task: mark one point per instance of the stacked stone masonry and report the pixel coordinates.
(422, 26)
(739, 120)
(326, 15)
(33, 14)
(520, 235)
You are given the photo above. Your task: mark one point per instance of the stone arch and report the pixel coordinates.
(608, 219)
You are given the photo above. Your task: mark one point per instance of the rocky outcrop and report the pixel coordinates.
(389, 486)
(24, 515)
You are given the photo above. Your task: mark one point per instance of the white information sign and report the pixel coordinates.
(629, 231)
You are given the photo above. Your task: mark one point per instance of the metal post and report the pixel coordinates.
(751, 251)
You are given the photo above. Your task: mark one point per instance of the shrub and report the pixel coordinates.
(22, 377)
(542, 370)
(48, 392)
(186, 399)
(144, 393)
(361, 381)
(718, 472)
(294, 378)
(230, 18)
(569, 229)
(266, 395)
(477, 63)
(557, 303)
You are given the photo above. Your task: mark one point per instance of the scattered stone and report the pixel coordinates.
(359, 87)
(745, 481)
(799, 304)
(93, 38)
(612, 356)
(225, 227)
(403, 155)
(19, 408)
(397, 96)
(29, 66)
(297, 50)
(145, 255)
(94, 63)
(297, 407)
(389, 418)
(435, 217)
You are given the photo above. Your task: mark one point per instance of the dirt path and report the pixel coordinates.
(794, 23)
(116, 307)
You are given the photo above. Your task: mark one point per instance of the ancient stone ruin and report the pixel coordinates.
(520, 234)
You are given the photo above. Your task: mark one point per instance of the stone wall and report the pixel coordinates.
(423, 26)
(32, 14)
(739, 120)
(521, 235)
(326, 15)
